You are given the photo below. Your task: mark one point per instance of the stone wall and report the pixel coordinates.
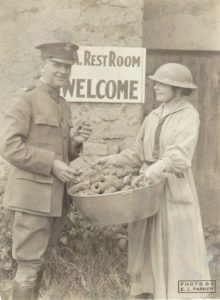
(188, 24)
(25, 24)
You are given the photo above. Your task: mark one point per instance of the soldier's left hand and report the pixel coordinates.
(82, 133)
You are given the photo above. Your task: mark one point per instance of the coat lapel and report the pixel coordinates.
(174, 106)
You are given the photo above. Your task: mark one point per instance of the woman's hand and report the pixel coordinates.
(113, 160)
(155, 170)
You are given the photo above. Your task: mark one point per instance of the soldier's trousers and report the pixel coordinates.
(31, 237)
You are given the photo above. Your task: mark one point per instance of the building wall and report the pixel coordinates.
(186, 24)
(25, 24)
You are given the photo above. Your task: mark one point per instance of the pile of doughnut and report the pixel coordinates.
(96, 181)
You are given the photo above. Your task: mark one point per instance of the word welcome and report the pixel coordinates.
(110, 89)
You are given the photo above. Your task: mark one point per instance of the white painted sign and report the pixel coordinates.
(107, 74)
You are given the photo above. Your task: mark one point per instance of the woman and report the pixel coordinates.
(169, 246)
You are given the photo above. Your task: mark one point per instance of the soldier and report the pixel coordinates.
(36, 141)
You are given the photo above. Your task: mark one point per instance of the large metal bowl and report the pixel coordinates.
(120, 207)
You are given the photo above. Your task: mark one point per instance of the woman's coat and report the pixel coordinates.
(169, 246)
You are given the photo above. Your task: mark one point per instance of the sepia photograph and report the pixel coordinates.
(109, 149)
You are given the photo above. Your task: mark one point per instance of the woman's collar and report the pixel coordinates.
(173, 106)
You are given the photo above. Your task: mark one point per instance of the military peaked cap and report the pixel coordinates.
(60, 52)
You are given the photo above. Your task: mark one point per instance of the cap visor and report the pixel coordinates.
(62, 61)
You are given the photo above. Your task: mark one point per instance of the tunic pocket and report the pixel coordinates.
(44, 120)
(25, 175)
(180, 190)
(45, 129)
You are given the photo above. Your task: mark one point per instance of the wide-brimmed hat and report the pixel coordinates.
(174, 74)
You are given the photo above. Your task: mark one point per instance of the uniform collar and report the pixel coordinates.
(174, 106)
(43, 85)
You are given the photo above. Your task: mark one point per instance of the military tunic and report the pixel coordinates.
(35, 132)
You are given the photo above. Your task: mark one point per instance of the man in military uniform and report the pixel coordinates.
(36, 141)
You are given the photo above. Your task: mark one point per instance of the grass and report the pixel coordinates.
(98, 273)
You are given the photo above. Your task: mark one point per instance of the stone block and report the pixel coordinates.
(118, 129)
(113, 147)
(127, 143)
(93, 148)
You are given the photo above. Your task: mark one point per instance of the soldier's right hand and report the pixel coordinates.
(63, 172)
